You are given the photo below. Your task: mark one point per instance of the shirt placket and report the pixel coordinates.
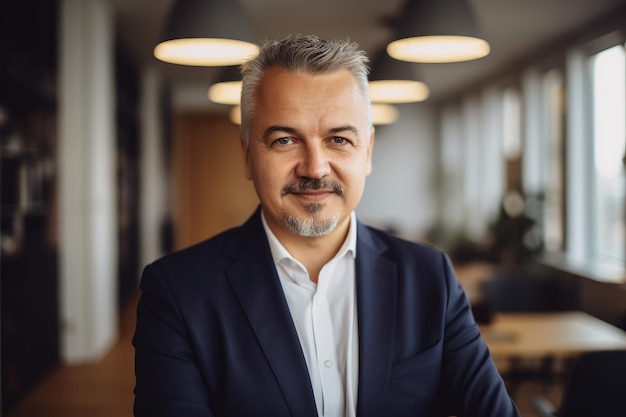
(327, 361)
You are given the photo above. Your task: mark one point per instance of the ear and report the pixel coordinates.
(246, 157)
(370, 147)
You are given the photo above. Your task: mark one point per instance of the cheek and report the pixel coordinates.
(354, 177)
(269, 175)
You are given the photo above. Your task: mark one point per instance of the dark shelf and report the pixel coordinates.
(29, 308)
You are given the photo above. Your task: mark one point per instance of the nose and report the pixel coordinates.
(314, 162)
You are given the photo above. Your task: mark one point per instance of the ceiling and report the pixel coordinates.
(514, 29)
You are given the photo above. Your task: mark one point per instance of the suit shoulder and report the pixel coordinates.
(401, 245)
(411, 255)
(198, 254)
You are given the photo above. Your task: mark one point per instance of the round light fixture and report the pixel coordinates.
(205, 51)
(393, 81)
(437, 31)
(235, 115)
(398, 91)
(226, 92)
(206, 33)
(432, 49)
(383, 114)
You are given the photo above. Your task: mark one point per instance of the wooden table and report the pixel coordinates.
(559, 335)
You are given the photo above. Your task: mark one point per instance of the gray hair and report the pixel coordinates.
(301, 54)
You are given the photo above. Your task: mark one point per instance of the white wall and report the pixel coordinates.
(400, 192)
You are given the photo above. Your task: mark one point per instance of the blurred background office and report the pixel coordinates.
(511, 160)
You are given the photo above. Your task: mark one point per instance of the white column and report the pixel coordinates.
(87, 165)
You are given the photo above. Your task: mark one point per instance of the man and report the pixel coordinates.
(303, 311)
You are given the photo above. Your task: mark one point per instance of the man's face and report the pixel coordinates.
(310, 151)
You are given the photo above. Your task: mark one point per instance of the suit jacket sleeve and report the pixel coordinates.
(168, 381)
(420, 350)
(470, 383)
(214, 336)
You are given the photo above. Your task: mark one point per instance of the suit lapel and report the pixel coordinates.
(376, 301)
(255, 281)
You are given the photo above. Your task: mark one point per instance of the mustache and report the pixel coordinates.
(311, 184)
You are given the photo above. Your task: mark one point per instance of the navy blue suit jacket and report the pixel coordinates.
(214, 335)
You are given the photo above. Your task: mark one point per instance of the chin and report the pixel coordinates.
(311, 227)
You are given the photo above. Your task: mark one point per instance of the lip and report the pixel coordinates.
(312, 195)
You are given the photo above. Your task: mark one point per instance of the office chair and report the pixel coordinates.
(596, 387)
(520, 290)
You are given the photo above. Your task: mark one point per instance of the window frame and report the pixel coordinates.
(580, 160)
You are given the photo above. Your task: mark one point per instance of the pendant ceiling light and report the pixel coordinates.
(384, 114)
(392, 81)
(437, 31)
(227, 88)
(234, 115)
(206, 33)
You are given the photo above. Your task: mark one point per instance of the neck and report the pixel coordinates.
(315, 252)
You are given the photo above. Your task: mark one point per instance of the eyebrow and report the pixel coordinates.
(287, 129)
(343, 129)
(273, 129)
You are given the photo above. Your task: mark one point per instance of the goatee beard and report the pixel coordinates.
(312, 226)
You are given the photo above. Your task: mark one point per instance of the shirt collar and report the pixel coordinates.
(279, 252)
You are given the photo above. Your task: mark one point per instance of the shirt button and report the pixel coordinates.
(328, 363)
(319, 300)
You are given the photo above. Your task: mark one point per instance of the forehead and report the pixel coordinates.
(303, 100)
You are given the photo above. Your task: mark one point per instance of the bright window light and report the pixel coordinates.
(609, 129)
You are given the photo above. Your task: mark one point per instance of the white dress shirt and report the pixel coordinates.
(326, 322)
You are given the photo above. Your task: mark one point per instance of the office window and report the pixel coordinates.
(608, 127)
(452, 168)
(543, 155)
(472, 166)
(473, 159)
(511, 124)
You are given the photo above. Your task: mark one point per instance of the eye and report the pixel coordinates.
(339, 140)
(283, 141)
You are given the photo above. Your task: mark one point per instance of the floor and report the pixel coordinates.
(105, 389)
